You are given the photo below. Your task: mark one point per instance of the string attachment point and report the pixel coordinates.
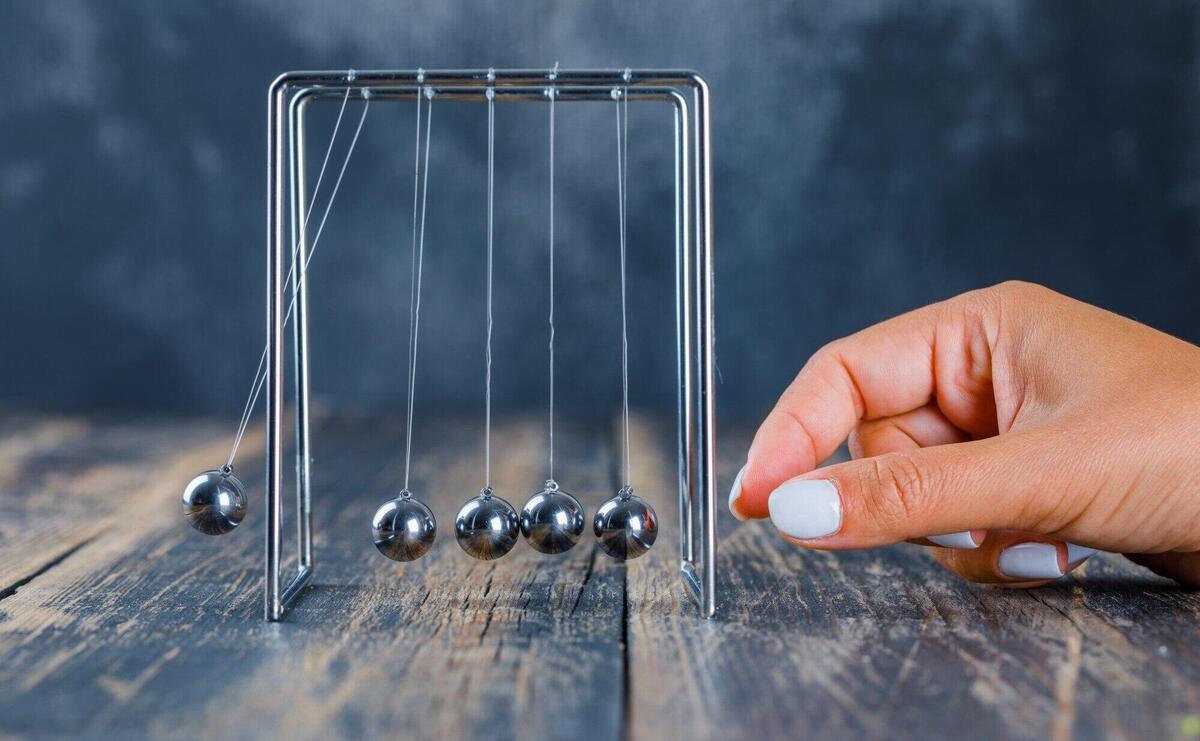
(626, 492)
(226, 469)
(627, 76)
(366, 93)
(429, 92)
(486, 492)
(420, 75)
(551, 485)
(491, 74)
(351, 75)
(615, 93)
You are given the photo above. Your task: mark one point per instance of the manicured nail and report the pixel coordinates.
(1030, 561)
(962, 541)
(806, 509)
(1077, 553)
(735, 491)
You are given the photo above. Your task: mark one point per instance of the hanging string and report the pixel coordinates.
(622, 99)
(260, 376)
(553, 93)
(418, 262)
(491, 183)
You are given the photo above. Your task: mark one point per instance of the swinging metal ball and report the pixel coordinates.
(626, 526)
(486, 526)
(214, 502)
(403, 529)
(552, 520)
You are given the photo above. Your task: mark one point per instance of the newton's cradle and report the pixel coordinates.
(487, 526)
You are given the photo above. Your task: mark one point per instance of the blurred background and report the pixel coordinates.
(870, 157)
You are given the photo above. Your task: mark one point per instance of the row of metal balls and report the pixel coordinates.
(486, 527)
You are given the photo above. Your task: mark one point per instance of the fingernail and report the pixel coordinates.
(1030, 561)
(962, 541)
(735, 491)
(1076, 553)
(806, 509)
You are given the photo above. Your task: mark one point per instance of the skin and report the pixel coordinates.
(1013, 412)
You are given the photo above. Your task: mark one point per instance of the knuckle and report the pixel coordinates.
(899, 488)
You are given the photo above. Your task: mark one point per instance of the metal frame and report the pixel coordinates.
(292, 92)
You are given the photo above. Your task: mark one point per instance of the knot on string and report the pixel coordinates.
(366, 93)
(627, 76)
(351, 75)
(553, 73)
(626, 492)
(429, 93)
(420, 75)
(551, 485)
(491, 74)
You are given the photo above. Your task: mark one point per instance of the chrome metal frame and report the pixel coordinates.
(693, 283)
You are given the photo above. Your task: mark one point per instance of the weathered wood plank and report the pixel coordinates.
(153, 629)
(146, 628)
(883, 643)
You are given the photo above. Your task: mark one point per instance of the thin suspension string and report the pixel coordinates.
(414, 304)
(291, 271)
(261, 377)
(622, 99)
(553, 96)
(491, 176)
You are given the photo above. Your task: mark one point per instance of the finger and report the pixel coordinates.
(920, 428)
(941, 351)
(1182, 567)
(992, 484)
(1013, 558)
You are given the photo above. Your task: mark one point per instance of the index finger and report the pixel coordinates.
(941, 351)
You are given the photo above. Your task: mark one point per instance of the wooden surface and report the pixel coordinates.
(118, 621)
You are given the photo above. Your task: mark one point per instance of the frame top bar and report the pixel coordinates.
(492, 78)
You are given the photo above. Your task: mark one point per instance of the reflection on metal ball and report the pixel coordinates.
(552, 520)
(403, 529)
(214, 502)
(486, 526)
(626, 525)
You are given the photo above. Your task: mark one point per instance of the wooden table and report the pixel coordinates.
(118, 621)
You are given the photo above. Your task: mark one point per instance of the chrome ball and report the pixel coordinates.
(552, 520)
(626, 526)
(486, 527)
(403, 529)
(214, 502)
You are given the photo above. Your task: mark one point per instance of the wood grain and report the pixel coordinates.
(116, 620)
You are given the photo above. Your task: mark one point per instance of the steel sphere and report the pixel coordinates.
(626, 526)
(552, 521)
(214, 502)
(486, 527)
(403, 529)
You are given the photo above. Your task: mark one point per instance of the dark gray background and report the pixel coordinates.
(869, 158)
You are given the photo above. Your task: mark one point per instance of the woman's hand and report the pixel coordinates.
(1014, 428)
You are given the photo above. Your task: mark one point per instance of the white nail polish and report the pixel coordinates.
(1077, 553)
(962, 541)
(806, 509)
(735, 491)
(1030, 561)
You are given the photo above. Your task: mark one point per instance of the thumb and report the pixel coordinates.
(991, 484)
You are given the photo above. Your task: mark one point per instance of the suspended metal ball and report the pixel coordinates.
(626, 525)
(486, 526)
(403, 529)
(214, 502)
(552, 520)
